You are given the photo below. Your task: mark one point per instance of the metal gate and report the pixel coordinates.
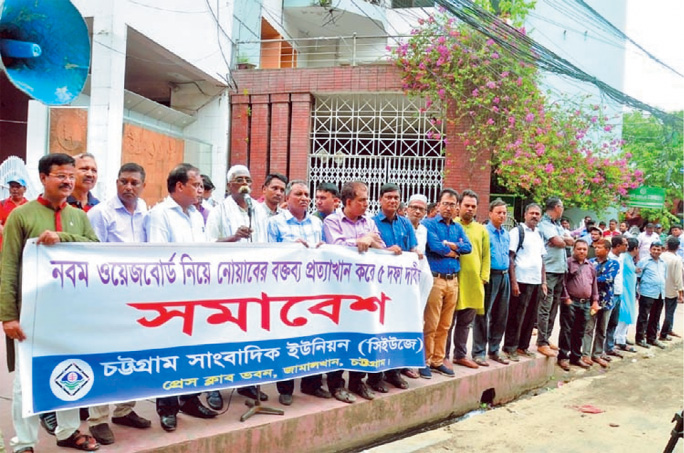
(376, 138)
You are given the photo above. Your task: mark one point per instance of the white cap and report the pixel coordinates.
(418, 197)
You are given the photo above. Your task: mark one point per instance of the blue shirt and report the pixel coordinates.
(396, 232)
(285, 227)
(653, 274)
(112, 222)
(499, 242)
(438, 232)
(605, 281)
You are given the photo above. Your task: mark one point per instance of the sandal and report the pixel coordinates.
(378, 387)
(79, 441)
(341, 394)
(396, 380)
(410, 373)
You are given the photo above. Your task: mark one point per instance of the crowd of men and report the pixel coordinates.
(502, 284)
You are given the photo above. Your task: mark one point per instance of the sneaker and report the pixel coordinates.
(513, 356)
(425, 373)
(442, 369)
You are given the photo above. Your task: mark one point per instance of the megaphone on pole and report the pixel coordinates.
(45, 48)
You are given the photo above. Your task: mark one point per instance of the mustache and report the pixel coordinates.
(66, 186)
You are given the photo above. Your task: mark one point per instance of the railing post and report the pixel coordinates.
(354, 49)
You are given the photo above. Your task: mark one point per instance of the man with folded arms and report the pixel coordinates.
(653, 272)
(121, 219)
(473, 277)
(580, 294)
(398, 234)
(51, 220)
(176, 220)
(296, 225)
(595, 332)
(488, 329)
(353, 228)
(555, 264)
(446, 242)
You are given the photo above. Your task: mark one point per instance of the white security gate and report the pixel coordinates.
(376, 138)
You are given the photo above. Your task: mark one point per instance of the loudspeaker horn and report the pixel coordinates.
(45, 48)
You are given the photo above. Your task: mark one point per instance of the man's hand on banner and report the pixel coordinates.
(48, 237)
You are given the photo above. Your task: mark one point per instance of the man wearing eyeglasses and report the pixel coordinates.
(51, 220)
(86, 178)
(446, 241)
(121, 219)
(236, 218)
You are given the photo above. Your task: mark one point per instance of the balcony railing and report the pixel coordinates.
(325, 51)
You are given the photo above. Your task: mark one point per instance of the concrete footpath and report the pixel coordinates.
(315, 425)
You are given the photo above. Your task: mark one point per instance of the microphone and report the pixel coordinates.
(245, 191)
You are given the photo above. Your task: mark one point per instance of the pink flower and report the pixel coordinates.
(495, 100)
(540, 149)
(593, 119)
(504, 74)
(608, 128)
(511, 120)
(529, 117)
(491, 85)
(475, 93)
(549, 168)
(490, 121)
(495, 55)
(570, 170)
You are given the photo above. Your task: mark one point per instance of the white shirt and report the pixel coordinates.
(421, 237)
(112, 222)
(529, 259)
(645, 242)
(617, 283)
(225, 219)
(167, 222)
(266, 210)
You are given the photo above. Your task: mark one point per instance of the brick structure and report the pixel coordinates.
(271, 122)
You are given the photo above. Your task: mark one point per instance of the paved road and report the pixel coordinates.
(638, 397)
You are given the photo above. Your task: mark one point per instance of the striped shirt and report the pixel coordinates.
(285, 227)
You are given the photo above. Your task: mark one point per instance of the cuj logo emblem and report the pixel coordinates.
(71, 380)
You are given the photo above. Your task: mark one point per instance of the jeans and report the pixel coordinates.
(670, 308)
(649, 316)
(573, 322)
(612, 325)
(595, 334)
(522, 314)
(548, 308)
(488, 329)
(460, 327)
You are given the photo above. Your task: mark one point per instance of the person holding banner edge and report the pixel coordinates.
(51, 220)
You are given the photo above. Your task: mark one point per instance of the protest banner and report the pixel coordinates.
(108, 323)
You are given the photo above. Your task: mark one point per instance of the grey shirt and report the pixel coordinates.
(555, 260)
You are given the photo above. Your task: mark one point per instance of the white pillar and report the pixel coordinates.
(105, 115)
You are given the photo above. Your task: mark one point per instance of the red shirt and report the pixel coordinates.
(7, 206)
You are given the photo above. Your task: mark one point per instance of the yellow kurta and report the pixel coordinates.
(474, 268)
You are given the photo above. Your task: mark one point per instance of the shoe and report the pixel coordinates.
(626, 348)
(25, 450)
(168, 422)
(657, 344)
(251, 392)
(215, 400)
(341, 394)
(600, 361)
(466, 362)
(499, 359)
(629, 342)
(586, 360)
(102, 433)
(285, 399)
(580, 363)
(665, 338)
(480, 361)
(133, 420)
(526, 353)
(642, 343)
(564, 364)
(554, 347)
(425, 373)
(513, 356)
(614, 353)
(79, 441)
(319, 393)
(547, 351)
(394, 378)
(363, 391)
(442, 369)
(48, 421)
(378, 387)
(606, 358)
(195, 408)
(675, 334)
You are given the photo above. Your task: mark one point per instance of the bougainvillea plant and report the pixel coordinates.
(536, 148)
